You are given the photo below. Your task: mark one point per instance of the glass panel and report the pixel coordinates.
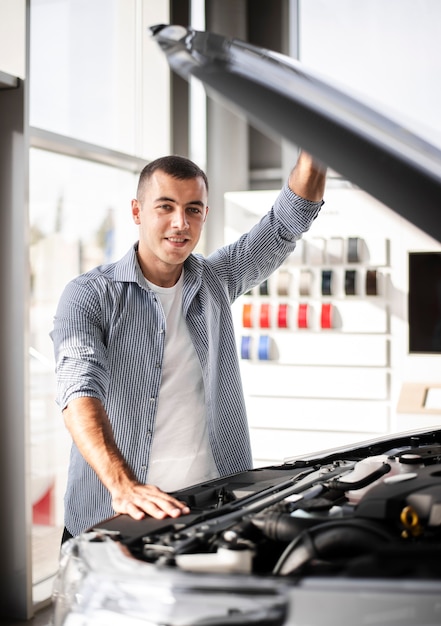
(83, 70)
(80, 216)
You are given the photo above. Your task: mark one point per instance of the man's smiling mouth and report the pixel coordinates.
(177, 239)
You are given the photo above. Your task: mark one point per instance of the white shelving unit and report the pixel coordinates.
(336, 379)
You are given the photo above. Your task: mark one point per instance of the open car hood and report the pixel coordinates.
(277, 94)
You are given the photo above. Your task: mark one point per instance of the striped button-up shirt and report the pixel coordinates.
(109, 335)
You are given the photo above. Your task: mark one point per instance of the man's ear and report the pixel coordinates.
(135, 211)
(207, 208)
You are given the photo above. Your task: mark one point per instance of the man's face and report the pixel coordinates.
(170, 214)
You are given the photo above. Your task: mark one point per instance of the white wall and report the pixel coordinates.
(154, 109)
(389, 53)
(387, 50)
(13, 37)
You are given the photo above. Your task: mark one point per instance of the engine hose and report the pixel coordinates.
(282, 526)
(331, 540)
(341, 485)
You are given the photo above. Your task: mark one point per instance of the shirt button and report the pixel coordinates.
(143, 467)
(152, 400)
(161, 331)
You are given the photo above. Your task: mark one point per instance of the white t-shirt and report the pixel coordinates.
(181, 454)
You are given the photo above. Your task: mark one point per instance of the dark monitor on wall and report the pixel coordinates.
(424, 302)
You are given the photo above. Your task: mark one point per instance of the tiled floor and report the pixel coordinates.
(46, 542)
(43, 617)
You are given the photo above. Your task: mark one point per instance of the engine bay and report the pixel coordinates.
(373, 511)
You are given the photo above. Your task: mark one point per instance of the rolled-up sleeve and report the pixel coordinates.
(79, 345)
(294, 214)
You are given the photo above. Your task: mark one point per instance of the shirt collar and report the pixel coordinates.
(127, 269)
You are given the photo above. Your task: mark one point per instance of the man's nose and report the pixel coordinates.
(180, 219)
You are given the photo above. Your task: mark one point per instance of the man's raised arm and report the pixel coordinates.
(308, 178)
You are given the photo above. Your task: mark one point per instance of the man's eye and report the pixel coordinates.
(194, 209)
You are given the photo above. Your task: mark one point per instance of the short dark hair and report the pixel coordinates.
(177, 166)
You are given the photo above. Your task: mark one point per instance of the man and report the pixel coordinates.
(146, 360)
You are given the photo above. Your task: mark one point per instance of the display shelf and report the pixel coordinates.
(299, 381)
(329, 349)
(318, 414)
(314, 341)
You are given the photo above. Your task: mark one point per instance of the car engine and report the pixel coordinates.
(367, 513)
(349, 536)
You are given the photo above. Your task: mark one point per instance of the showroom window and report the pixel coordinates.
(87, 72)
(83, 70)
(79, 218)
